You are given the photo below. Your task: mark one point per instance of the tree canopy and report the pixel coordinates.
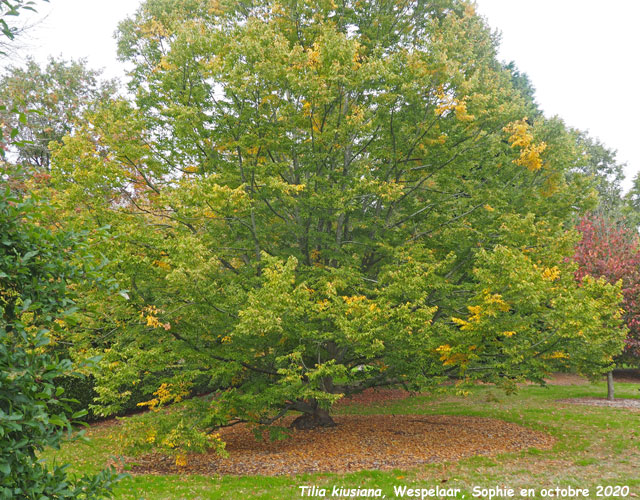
(307, 199)
(50, 98)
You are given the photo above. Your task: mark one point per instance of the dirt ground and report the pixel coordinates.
(629, 404)
(358, 442)
(626, 376)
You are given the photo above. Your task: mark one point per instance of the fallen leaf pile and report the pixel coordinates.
(358, 442)
(373, 396)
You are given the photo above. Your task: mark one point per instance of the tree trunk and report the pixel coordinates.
(610, 386)
(311, 420)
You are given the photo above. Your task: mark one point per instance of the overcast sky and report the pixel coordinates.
(581, 55)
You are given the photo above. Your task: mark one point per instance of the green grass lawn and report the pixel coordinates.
(595, 446)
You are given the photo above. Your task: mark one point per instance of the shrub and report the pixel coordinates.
(35, 268)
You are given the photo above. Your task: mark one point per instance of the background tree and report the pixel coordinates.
(49, 99)
(309, 199)
(609, 249)
(601, 165)
(631, 205)
(522, 83)
(10, 11)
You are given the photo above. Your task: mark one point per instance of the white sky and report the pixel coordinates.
(579, 55)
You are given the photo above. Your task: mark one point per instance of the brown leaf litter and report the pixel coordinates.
(358, 442)
(373, 396)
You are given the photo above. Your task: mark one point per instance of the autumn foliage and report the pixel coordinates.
(611, 250)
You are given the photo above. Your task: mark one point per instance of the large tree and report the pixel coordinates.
(308, 199)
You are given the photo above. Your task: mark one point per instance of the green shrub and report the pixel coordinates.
(34, 269)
